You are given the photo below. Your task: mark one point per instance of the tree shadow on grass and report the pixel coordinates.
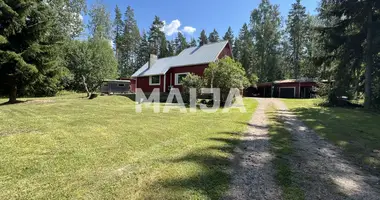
(17, 102)
(350, 129)
(213, 179)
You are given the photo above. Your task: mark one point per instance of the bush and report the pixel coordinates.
(191, 81)
(226, 74)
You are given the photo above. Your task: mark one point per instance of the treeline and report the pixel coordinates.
(42, 50)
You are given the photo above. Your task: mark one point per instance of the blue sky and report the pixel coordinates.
(197, 14)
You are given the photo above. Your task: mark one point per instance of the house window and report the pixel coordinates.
(179, 77)
(121, 85)
(154, 80)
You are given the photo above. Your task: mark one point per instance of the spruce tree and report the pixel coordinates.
(229, 36)
(164, 51)
(27, 44)
(193, 42)
(203, 38)
(297, 29)
(118, 34)
(245, 49)
(143, 52)
(130, 44)
(214, 36)
(180, 43)
(155, 35)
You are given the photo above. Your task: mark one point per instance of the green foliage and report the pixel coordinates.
(214, 36)
(203, 38)
(143, 51)
(100, 22)
(229, 36)
(28, 44)
(191, 81)
(297, 29)
(265, 22)
(155, 35)
(180, 43)
(91, 62)
(193, 42)
(226, 74)
(244, 48)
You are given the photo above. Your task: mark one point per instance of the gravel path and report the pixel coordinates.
(253, 175)
(322, 171)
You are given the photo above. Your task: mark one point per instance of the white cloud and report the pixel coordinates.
(174, 27)
(189, 30)
(170, 29)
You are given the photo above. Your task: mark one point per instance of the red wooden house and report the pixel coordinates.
(166, 73)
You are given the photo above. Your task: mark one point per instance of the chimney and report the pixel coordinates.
(152, 60)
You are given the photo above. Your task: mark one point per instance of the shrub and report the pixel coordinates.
(191, 81)
(226, 74)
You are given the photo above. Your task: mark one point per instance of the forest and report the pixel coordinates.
(43, 50)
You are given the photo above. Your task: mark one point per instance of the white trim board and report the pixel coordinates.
(176, 77)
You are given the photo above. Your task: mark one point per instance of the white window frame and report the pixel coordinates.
(159, 80)
(176, 77)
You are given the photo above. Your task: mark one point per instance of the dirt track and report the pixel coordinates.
(320, 168)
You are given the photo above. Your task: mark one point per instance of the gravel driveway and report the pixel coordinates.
(319, 167)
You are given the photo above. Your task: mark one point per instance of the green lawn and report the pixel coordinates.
(281, 146)
(72, 147)
(356, 131)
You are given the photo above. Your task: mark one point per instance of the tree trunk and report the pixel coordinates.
(85, 86)
(368, 69)
(13, 94)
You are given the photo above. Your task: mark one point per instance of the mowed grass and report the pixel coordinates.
(282, 147)
(72, 147)
(356, 131)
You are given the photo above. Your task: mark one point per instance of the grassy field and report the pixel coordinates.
(72, 147)
(281, 144)
(356, 131)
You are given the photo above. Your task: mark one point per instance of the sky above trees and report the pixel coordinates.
(190, 17)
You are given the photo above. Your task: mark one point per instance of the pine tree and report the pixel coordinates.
(27, 45)
(203, 38)
(214, 36)
(180, 43)
(193, 42)
(100, 23)
(155, 35)
(118, 33)
(229, 36)
(130, 44)
(297, 28)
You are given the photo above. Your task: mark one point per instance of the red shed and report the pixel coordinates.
(291, 88)
(166, 73)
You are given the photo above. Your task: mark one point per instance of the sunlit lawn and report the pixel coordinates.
(71, 147)
(355, 130)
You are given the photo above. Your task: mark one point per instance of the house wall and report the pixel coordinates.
(226, 52)
(133, 85)
(143, 84)
(170, 75)
(297, 85)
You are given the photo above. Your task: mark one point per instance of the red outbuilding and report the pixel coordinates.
(291, 88)
(166, 73)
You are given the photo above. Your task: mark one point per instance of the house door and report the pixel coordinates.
(287, 92)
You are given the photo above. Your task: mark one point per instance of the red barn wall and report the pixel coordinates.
(170, 75)
(225, 52)
(143, 84)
